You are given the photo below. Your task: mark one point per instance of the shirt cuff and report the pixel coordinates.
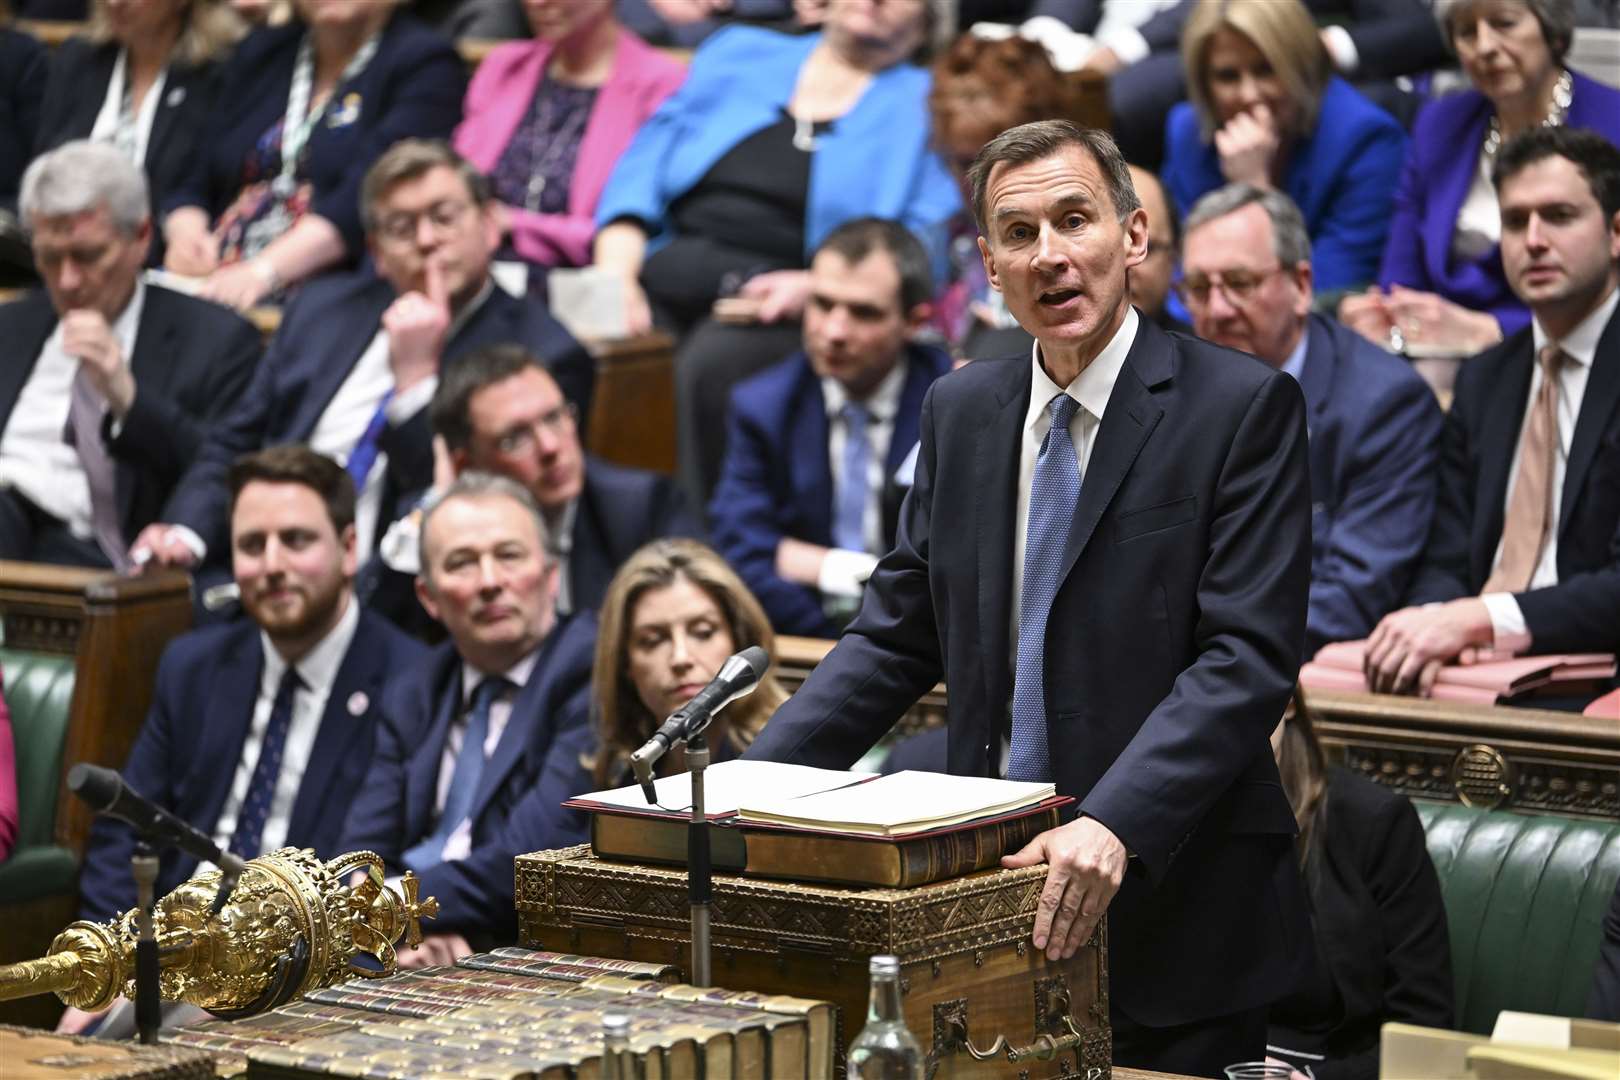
(1129, 45)
(400, 550)
(402, 406)
(186, 536)
(1342, 49)
(1511, 635)
(844, 572)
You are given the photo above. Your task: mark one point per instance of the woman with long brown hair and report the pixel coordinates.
(1382, 951)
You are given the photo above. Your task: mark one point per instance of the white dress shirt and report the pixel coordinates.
(318, 671)
(35, 457)
(1091, 388)
(844, 572)
(107, 122)
(459, 845)
(1580, 345)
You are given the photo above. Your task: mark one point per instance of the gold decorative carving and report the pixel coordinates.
(1482, 777)
(292, 924)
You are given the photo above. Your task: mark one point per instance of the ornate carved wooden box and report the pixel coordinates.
(968, 972)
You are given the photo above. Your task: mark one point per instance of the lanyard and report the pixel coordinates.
(300, 121)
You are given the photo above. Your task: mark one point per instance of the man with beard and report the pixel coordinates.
(260, 732)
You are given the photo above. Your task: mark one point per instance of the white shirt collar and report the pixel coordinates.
(881, 404)
(518, 674)
(1581, 343)
(1094, 385)
(317, 668)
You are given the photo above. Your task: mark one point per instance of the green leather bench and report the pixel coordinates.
(39, 695)
(1525, 896)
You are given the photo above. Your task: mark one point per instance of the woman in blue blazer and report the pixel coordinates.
(355, 77)
(1266, 109)
(1441, 282)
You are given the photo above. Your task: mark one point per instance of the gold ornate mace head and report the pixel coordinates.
(293, 923)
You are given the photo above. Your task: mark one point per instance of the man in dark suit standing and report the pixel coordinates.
(1524, 555)
(1374, 424)
(1112, 536)
(814, 442)
(453, 792)
(111, 383)
(357, 358)
(261, 730)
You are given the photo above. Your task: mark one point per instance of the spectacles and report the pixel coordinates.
(521, 439)
(1238, 286)
(401, 227)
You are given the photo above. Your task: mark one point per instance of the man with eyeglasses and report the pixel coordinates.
(499, 410)
(1374, 425)
(356, 359)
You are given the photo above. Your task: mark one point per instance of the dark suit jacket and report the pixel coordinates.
(412, 87)
(1603, 1003)
(192, 361)
(22, 78)
(1170, 652)
(1375, 437)
(510, 814)
(776, 480)
(1480, 435)
(79, 73)
(1380, 931)
(620, 509)
(324, 332)
(187, 752)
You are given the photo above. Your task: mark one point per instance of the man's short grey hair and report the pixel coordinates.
(475, 484)
(1557, 19)
(1040, 140)
(1289, 238)
(79, 176)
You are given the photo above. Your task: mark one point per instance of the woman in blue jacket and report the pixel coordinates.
(273, 197)
(1267, 110)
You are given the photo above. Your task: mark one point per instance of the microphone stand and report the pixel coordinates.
(699, 871)
(143, 866)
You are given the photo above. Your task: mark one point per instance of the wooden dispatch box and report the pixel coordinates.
(966, 962)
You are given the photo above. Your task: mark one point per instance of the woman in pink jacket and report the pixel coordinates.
(547, 120)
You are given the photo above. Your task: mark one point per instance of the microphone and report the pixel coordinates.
(106, 793)
(738, 677)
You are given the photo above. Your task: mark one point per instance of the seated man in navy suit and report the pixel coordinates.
(813, 442)
(499, 410)
(451, 794)
(1374, 424)
(261, 730)
(109, 383)
(357, 358)
(1524, 556)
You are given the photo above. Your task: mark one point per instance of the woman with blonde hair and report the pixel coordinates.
(142, 77)
(1266, 109)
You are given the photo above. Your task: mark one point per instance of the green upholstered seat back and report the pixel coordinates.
(39, 693)
(1525, 896)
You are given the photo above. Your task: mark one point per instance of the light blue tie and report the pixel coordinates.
(464, 781)
(1053, 495)
(849, 524)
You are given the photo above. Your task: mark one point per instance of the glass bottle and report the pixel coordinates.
(617, 1061)
(885, 1050)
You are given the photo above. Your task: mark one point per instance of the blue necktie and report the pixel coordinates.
(463, 781)
(849, 523)
(255, 810)
(1053, 495)
(364, 454)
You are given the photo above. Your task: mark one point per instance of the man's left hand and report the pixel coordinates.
(417, 324)
(1408, 647)
(1086, 863)
(87, 338)
(435, 949)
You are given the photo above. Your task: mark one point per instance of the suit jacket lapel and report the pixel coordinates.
(330, 366)
(995, 474)
(1598, 407)
(422, 774)
(358, 683)
(530, 717)
(809, 464)
(591, 562)
(223, 727)
(149, 363)
(27, 334)
(1128, 420)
